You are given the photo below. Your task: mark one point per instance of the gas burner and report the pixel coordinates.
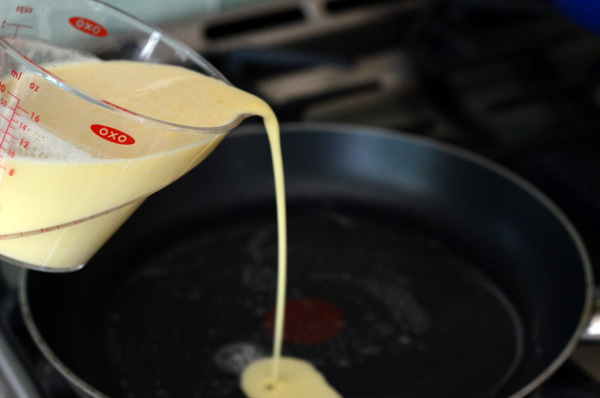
(516, 77)
(500, 77)
(322, 60)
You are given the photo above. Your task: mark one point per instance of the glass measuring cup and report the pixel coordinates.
(74, 166)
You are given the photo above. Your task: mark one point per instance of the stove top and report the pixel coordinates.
(513, 80)
(516, 81)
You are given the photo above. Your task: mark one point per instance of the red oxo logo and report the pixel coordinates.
(88, 26)
(112, 135)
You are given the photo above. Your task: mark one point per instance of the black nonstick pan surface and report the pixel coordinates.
(415, 270)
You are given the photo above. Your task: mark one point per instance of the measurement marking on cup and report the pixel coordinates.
(64, 225)
(12, 124)
(16, 26)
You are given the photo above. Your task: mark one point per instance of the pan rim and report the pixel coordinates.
(348, 129)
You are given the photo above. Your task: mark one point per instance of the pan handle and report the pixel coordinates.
(592, 332)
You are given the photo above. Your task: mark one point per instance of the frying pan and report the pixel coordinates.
(416, 269)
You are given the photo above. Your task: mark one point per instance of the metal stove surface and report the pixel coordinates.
(514, 80)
